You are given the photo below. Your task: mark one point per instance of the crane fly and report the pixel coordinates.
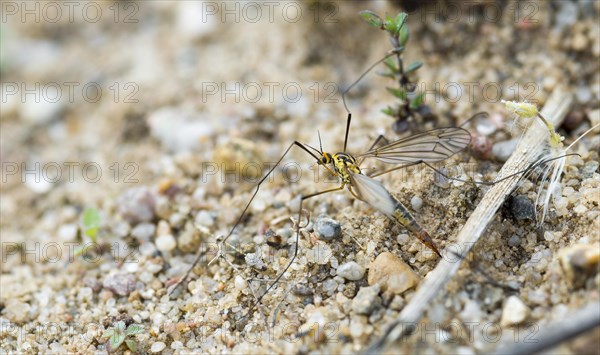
(428, 147)
(424, 148)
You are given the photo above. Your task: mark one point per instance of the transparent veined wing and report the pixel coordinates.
(430, 146)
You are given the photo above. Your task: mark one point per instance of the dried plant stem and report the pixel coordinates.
(579, 322)
(525, 154)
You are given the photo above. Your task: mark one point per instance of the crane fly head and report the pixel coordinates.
(326, 158)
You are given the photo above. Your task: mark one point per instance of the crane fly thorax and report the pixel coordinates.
(343, 164)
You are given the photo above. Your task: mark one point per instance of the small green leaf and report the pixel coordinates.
(387, 74)
(391, 64)
(403, 35)
(108, 333)
(120, 326)
(417, 101)
(400, 19)
(413, 66)
(131, 344)
(135, 329)
(399, 93)
(91, 222)
(372, 18)
(116, 341)
(389, 111)
(390, 25)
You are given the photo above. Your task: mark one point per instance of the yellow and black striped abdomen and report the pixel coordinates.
(403, 216)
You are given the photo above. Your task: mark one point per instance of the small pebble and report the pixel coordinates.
(416, 203)
(204, 218)
(514, 312)
(143, 231)
(579, 262)
(157, 347)
(485, 126)
(522, 208)
(16, 311)
(392, 274)
(580, 209)
(189, 240)
(165, 242)
(122, 284)
(67, 232)
(330, 286)
(579, 43)
(349, 290)
(567, 14)
(136, 205)
(503, 150)
(514, 240)
(589, 169)
(366, 300)
(327, 228)
(471, 311)
(441, 180)
(351, 271)
(480, 147)
(240, 283)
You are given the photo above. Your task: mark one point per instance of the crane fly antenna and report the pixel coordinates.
(390, 53)
(320, 144)
(313, 148)
(347, 130)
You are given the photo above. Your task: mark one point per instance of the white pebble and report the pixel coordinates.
(580, 209)
(67, 232)
(143, 231)
(165, 242)
(351, 271)
(416, 203)
(204, 218)
(514, 312)
(239, 282)
(158, 347)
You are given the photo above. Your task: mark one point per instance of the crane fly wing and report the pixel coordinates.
(374, 193)
(430, 146)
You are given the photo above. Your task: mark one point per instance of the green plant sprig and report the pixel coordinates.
(119, 333)
(410, 102)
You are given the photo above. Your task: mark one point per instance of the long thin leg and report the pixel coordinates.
(524, 171)
(201, 252)
(295, 249)
(389, 54)
(437, 171)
